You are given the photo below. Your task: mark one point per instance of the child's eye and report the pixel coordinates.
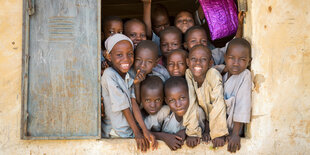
(111, 32)
(164, 45)
(170, 64)
(130, 54)
(181, 63)
(193, 41)
(171, 101)
(132, 35)
(147, 100)
(182, 98)
(193, 59)
(119, 55)
(150, 61)
(157, 100)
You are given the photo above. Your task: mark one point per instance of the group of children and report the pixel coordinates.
(173, 88)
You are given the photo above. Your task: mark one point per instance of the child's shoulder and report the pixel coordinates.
(165, 110)
(213, 74)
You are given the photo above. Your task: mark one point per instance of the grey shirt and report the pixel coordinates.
(116, 93)
(171, 125)
(155, 122)
(156, 40)
(237, 95)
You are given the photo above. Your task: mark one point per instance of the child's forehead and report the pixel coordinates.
(171, 34)
(113, 22)
(176, 54)
(184, 14)
(238, 48)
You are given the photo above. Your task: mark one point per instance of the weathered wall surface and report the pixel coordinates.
(279, 33)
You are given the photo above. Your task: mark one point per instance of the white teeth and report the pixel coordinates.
(197, 68)
(125, 65)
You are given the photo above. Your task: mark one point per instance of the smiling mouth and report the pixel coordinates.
(197, 69)
(125, 66)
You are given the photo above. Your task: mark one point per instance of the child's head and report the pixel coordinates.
(184, 20)
(146, 56)
(238, 56)
(199, 60)
(111, 25)
(160, 18)
(170, 39)
(135, 29)
(152, 94)
(120, 53)
(176, 62)
(176, 95)
(194, 36)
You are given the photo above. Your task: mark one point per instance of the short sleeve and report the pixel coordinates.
(118, 97)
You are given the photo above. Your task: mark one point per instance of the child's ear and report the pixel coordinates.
(211, 63)
(108, 55)
(185, 45)
(156, 62)
(187, 62)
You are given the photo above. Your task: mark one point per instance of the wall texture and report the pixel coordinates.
(279, 33)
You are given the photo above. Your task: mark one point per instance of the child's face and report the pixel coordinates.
(177, 99)
(145, 60)
(199, 62)
(196, 37)
(136, 32)
(237, 59)
(168, 42)
(184, 21)
(176, 64)
(152, 100)
(160, 23)
(112, 27)
(121, 57)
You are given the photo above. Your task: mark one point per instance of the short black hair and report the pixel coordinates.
(158, 10)
(196, 27)
(175, 81)
(108, 19)
(205, 48)
(152, 82)
(242, 42)
(181, 51)
(134, 20)
(171, 29)
(149, 45)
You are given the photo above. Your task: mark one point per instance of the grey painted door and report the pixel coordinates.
(61, 78)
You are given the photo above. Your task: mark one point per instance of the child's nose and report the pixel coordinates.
(178, 104)
(152, 105)
(176, 67)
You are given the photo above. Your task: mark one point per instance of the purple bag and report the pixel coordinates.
(221, 16)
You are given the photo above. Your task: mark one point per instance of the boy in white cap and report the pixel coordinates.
(116, 83)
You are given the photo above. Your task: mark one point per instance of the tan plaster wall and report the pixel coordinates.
(279, 33)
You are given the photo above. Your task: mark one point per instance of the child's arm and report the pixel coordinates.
(190, 118)
(206, 134)
(174, 142)
(241, 16)
(217, 116)
(234, 138)
(140, 76)
(147, 17)
(136, 111)
(141, 142)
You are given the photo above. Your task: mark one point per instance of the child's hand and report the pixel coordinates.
(233, 143)
(140, 76)
(151, 139)
(192, 141)
(142, 143)
(241, 16)
(206, 137)
(181, 134)
(174, 142)
(218, 142)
